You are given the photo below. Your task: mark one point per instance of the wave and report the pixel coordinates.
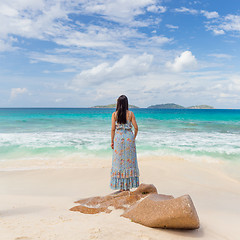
(57, 133)
(52, 144)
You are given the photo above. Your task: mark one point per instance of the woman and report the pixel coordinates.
(124, 172)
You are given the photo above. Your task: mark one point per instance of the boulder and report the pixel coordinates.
(118, 200)
(145, 206)
(155, 211)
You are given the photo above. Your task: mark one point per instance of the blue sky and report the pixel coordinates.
(82, 53)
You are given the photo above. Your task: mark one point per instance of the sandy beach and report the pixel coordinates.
(35, 203)
(116, 93)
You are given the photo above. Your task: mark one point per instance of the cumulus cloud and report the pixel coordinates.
(17, 91)
(210, 15)
(52, 21)
(231, 23)
(228, 23)
(156, 9)
(125, 67)
(218, 32)
(159, 40)
(186, 61)
(157, 85)
(186, 10)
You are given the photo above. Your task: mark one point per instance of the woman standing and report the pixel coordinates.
(124, 172)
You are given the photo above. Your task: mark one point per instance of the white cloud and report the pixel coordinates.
(171, 26)
(51, 58)
(8, 11)
(186, 61)
(51, 21)
(5, 46)
(17, 91)
(45, 20)
(234, 84)
(186, 10)
(160, 40)
(227, 90)
(156, 9)
(127, 66)
(218, 32)
(100, 45)
(32, 19)
(120, 11)
(97, 37)
(221, 55)
(228, 23)
(207, 14)
(155, 85)
(210, 15)
(231, 23)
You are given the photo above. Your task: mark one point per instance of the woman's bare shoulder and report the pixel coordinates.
(114, 114)
(131, 113)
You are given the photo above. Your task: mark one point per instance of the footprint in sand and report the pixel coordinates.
(95, 233)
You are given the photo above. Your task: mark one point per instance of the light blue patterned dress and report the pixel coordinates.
(124, 172)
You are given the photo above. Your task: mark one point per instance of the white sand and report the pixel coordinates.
(34, 204)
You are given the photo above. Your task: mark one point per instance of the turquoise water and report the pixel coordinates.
(50, 133)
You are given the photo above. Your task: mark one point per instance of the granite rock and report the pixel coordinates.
(154, 211)
(145, 206)
(118, 200)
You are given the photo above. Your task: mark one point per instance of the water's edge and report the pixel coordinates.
(49, 133)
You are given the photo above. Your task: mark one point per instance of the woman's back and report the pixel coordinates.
(127, 125)
(124, 171)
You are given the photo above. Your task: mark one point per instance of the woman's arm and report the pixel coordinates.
(113, 130)
(134, 123)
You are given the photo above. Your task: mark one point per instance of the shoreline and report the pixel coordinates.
(35, 203)
(230, 168)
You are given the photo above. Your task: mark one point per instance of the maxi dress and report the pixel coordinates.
(124, 171)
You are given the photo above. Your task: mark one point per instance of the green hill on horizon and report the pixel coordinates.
(166, 106)
(201, 107)
(160, 106)
(176, 106)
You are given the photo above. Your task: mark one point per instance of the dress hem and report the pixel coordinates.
(124, 183)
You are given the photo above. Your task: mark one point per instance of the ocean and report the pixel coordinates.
(45, 133)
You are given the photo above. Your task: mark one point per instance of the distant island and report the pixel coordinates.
(201, 107)
(166, 106)
(112, 106)
(176, 106)
(160, 106)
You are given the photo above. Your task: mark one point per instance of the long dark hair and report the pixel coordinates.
(121, 109)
